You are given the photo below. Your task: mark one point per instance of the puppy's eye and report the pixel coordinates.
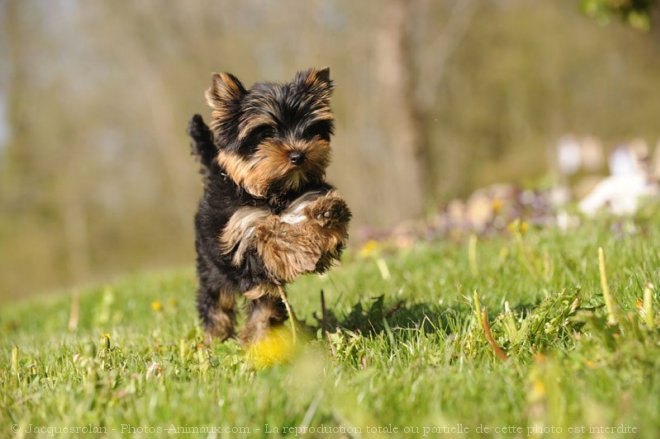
(255, 136)
(260, 133)
(321, 128)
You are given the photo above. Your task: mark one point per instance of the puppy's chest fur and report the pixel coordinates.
(222, 198)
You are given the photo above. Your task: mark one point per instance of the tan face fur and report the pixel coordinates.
(270, 165)
(258, 130)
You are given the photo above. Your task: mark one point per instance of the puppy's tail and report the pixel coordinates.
(202, 146)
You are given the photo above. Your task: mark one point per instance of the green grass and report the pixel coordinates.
(404, 353)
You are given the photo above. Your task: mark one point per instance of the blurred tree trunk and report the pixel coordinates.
(44, 156)
(74, 218)
(411, 82)
(394, 55)
(445, 171)
(17, 157)
(131, 42)
(432, 62)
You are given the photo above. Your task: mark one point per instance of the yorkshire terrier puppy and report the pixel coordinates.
(266, 215)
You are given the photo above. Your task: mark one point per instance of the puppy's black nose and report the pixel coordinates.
(297, 157)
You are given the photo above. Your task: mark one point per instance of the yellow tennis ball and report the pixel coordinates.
(277, 347)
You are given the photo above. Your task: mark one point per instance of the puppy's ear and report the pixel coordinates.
(317, 81)
(225, 91)
(324, 75)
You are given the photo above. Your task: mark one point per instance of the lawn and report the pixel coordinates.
(405, 354)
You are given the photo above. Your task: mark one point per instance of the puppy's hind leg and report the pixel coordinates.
(263, 313)
(217, 311)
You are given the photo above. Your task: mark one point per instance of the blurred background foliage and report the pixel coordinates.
(433, 100)
(636, 13)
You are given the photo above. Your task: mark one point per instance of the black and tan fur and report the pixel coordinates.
(266, 215)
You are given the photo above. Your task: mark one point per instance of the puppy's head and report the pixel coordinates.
(273, 138)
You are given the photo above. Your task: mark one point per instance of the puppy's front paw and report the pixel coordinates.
(329, 210)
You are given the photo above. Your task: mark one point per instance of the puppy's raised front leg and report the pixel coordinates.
(308, 236)
(287, 250)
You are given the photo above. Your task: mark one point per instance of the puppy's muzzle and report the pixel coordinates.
(297, 157)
